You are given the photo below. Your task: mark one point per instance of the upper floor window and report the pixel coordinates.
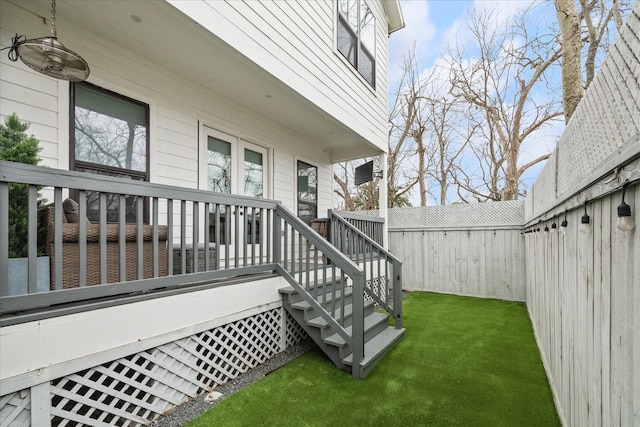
(356, 37)
(109, 136)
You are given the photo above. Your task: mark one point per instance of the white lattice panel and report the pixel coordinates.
(136, 389)
(609, 114)
(15, 409)
(378, 286)
(493, 214)
(295, 333)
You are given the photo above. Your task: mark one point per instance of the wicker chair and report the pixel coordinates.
(70, 252)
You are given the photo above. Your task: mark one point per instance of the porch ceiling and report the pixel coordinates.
(174, 41)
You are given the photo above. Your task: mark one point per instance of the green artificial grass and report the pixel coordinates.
(463, 362)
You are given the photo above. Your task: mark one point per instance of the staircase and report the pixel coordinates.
(338, 289)
(379, 337)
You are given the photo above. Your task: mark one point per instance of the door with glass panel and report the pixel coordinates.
(236, 166)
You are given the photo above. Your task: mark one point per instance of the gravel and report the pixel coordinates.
(193, 408)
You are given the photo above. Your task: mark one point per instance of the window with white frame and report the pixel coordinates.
(356, 37)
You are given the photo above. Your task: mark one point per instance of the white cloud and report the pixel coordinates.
(418, 29)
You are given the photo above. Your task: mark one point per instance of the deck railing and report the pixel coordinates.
(134, 239)
(371, 226)
(141, 236)
(383, 271)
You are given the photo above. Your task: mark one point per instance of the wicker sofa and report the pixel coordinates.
(71, 248)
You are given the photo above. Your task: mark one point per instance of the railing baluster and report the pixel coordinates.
(207, 237)
(285, 243)
(227, 235)
(183, 236)
(170, 237)
(269, 238)
(57, 236)
(236, 244)
(155, 238)
(102, 239)
(195, 239)
(82, 239)
(217, 235)
(122, 237)
(32, 239)
(140, 237)
(277, 254)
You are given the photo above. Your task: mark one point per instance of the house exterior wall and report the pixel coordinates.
(292, 41)
(295, 41)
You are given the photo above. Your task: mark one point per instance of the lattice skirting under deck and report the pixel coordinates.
(137, 389)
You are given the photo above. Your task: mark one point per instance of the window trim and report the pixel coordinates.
(354, 67)
(96, 166)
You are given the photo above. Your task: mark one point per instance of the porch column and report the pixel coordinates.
(383, 199)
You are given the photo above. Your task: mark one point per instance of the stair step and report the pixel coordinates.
(319, 322)
(376, 348)
(295, 297)
(371, 322)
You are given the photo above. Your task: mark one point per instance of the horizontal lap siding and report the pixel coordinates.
(294, 41)
(177, 106)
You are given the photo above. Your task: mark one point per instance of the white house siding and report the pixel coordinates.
(176, 108)
(295, 42)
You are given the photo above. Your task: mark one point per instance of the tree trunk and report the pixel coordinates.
(571, 55)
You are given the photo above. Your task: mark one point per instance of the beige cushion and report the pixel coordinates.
(72, 211)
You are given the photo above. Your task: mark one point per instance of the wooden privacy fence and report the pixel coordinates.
(583, 289)
(475, 250)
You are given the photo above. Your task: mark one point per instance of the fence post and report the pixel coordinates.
(397, 293)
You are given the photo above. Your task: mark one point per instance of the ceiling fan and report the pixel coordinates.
(48, 56)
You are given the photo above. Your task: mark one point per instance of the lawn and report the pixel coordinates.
(463, 362)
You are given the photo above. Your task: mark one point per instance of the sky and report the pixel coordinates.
(434, 24)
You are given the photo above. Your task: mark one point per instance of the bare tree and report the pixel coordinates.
(447, 136)
(507, 63)
(586, 26)
(341, 173)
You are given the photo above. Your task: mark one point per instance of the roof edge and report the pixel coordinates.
(395, 19)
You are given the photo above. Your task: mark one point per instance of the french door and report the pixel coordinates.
(235, 166)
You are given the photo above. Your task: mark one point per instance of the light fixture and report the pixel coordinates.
(48, 56)
(564, 223)
(585, 220)
(546, 230)
(625, 220)
(554, 227)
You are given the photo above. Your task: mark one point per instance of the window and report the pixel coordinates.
(356, 37)
(109, 136)
(307, 192)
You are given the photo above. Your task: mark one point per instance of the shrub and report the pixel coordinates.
(17, 146)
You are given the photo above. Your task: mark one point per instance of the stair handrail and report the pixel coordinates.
(341, 261)
(396, 311)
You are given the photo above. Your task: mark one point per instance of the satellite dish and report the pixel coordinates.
(48, 56)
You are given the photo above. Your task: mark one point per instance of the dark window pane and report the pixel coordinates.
(307, 191)
(109, 130)
(218, 165)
